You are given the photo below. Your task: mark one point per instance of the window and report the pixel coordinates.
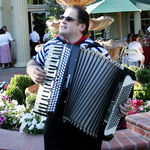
(35, 2)
(145, 21)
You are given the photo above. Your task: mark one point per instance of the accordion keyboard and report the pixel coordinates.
(51, 66)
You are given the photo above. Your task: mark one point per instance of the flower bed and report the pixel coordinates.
(17, 117)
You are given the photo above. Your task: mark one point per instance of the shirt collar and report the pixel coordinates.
(79, 41)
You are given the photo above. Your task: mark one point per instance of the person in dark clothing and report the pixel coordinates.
(34, 41)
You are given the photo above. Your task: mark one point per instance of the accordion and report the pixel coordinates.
(84, 88)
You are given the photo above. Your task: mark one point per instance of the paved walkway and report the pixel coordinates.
(8, 73)
(13, 140)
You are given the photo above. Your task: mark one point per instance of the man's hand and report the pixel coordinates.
(35, 72)
(125, 108)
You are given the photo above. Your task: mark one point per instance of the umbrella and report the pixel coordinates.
(144, 5)
(112, 6)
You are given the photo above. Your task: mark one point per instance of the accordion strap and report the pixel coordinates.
(62, 40)
(95, 44)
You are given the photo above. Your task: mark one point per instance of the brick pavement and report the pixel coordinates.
(8, 73)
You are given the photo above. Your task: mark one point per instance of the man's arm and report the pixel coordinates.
(36, 73)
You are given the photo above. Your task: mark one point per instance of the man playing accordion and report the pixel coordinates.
(59, 135)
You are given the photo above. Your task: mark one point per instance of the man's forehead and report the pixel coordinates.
(70, 12)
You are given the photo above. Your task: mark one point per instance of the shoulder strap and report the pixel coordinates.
(62, 40)
(95, 44)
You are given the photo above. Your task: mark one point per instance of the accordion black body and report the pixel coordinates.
(83, 88)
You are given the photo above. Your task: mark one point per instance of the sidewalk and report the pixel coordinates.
(13, 140)
(8, 73)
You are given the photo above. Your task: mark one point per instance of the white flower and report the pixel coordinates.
(4, 111)
(22, 127)
(20, 108)
(4, 93)
(14, 122)
(40, 126)
(34, 122)
(2, 104)
(22, 120)
(15, 102)
(28, 116)
(29, 123)
(43, 118)
(31, 127)
(22, 113)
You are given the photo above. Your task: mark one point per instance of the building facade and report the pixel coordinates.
(21, 15)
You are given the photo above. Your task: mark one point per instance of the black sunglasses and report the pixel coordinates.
(69, 19)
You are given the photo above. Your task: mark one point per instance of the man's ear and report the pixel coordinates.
(82, 27)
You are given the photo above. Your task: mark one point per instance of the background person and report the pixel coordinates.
(148, 32)
(73, 29)
(5, 55)
(135, 44)
(34, 40)
(128, 39)
(9, 34)
(46, 36)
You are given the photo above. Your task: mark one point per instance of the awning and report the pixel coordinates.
(144, 5)
(111, 6)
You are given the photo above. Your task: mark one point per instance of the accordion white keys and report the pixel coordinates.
(83, 88)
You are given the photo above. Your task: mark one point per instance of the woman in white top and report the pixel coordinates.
(5, 55)
(135, 44)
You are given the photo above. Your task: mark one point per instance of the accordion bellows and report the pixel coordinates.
(81, 87)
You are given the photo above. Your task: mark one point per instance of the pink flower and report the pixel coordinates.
(3, 96)
(2, 118)
(148, 103)
(5, 87)
(58, 35)
(5, 111)
(141, 108)
(1, 121)
(135, 107)
(139, 102)
(133, 101)
(7, 98)
(132, 112)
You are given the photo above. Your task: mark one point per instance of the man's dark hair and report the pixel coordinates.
(35, 28)
(83, 17)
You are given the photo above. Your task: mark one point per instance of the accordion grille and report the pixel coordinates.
(91, 91)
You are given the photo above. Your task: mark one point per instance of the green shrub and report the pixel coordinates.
(21, 81)
(17, 87)
(15, 93)
(143, 75)
(134, 68)
(30, 100)
(142, 91)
